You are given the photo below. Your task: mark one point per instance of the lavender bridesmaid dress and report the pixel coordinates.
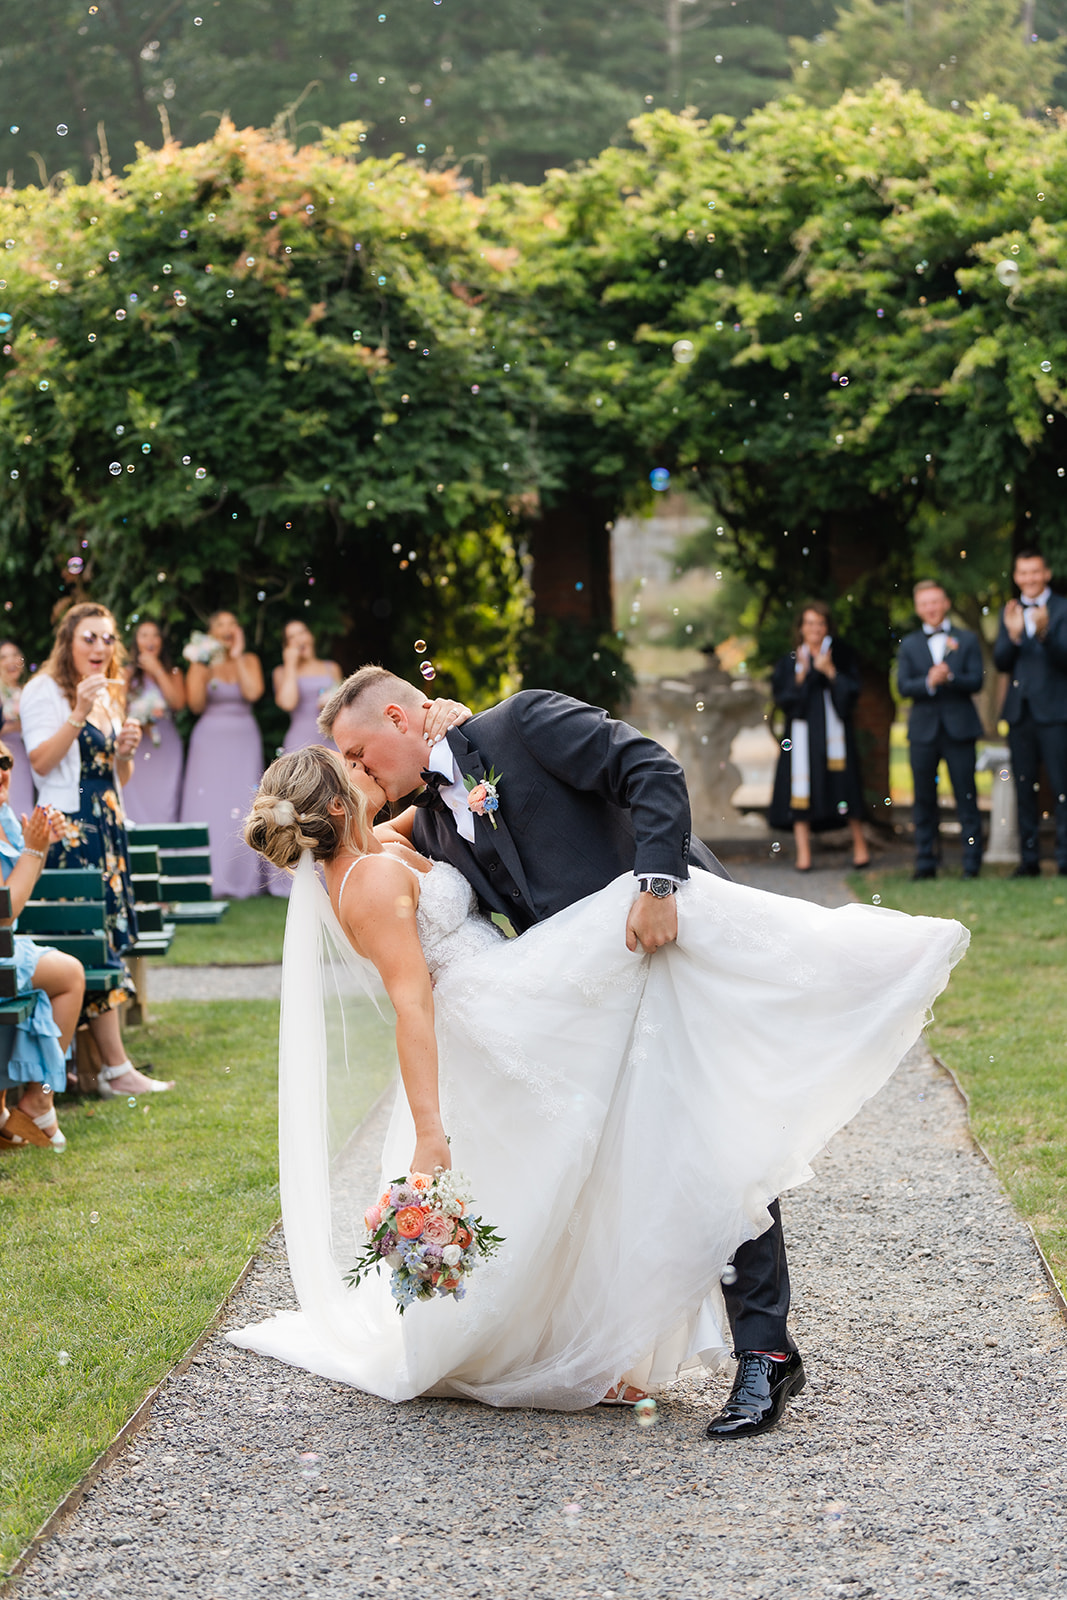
(153, 793)
(303, 730)
(222, 773)
(22, 796)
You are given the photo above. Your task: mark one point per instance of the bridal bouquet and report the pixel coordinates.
(205, 649)
(421, 1229)
(148, 708)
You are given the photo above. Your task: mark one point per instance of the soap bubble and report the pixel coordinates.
(14, 473)
(167, 267)
(201, 472)
(75, 565)
(420, 647)
(63, 1358)
(120, 315)
(131, 1101)
(1046, 366)
(728, 1275)
(5, 321)
(842, 807)
(876, 899)
(146, 449)
(112, 255)
(43, 385)
(660, 479)
(775, 848)
(646, 1413)
(62, 129)
(1008, 273)
(428, 671)
(787, 744)
(92, 338)
(94, 1217)
(683, 351)
(115, 468)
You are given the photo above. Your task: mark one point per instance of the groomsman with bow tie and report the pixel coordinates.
(940, 668)
(1031, 648)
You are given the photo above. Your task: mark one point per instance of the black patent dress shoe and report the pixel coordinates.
(761, 1388)
(1028, 870)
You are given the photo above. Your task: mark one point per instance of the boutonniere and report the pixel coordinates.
(482, 796)
(951, 643)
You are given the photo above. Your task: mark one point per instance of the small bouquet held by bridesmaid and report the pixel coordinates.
(421, 1229)
(204, 648)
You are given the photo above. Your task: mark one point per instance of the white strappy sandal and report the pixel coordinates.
(106, 1074)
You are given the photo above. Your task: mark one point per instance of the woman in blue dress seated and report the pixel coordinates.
(35, 1050)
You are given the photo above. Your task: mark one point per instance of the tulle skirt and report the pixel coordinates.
(625, 1121)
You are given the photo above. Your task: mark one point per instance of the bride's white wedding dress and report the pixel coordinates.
(624, 1121)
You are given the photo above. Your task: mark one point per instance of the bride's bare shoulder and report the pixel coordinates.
(363, 889)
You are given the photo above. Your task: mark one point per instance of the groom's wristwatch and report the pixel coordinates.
(660, 887)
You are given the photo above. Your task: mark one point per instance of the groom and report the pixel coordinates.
(577, 799)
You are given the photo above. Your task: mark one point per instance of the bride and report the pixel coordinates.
(624, 1119)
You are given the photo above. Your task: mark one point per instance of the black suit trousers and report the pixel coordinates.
(757, 1302)
(958, 755)
(1033, 745)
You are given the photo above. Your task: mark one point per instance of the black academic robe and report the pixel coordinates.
(835, 795)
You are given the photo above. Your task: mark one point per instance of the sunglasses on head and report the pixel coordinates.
(6, 763)
(107, 639)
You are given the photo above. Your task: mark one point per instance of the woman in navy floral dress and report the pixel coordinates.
(81, 750)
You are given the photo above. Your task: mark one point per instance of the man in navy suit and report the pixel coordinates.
(1032, 648)
(590, 798)
(940, 668)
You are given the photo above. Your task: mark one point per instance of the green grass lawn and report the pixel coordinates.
(1002, 1027)
(119, 1252)
(249, 934)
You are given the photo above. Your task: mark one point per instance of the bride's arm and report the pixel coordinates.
(380, 920)
(397, 829)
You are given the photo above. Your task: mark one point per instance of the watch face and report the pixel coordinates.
(661, 887)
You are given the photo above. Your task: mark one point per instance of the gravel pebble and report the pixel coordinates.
(924, 1460)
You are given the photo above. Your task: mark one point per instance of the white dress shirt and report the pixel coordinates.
(1030, 606)
(454, 791)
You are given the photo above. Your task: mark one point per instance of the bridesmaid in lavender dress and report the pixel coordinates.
(21, 797)
(225, 760)
(154, 691)
(300, 684)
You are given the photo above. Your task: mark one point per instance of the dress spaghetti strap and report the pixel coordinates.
(358, 859)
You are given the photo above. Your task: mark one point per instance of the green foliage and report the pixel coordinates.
(952, 52)
(850, 353)
(261, 377)
(578, 660)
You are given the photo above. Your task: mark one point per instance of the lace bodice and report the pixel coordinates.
(450, 925)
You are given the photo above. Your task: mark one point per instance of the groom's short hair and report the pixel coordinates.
(370, 689)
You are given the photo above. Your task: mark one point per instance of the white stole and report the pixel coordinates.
(800, 764)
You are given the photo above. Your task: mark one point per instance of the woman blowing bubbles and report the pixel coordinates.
(81, 750)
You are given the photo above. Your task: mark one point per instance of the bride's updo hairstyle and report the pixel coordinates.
(291, 811)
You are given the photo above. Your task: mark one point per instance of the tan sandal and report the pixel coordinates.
(9, 1141)
(35, 1130)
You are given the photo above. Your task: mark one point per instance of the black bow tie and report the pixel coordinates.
(430, 798)
(1027, 603)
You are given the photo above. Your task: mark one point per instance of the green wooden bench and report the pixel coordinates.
(12, 1011)
(184, 868)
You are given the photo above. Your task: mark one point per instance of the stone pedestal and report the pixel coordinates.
(697, 719)
(1004, 823)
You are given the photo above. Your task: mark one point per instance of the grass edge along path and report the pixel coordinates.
(119, 1253)
(249, 935)
(1001, 1027)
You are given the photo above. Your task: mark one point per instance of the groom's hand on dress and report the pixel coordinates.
(652, 922)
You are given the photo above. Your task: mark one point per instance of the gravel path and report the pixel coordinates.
(214, 983)
(925, 1458)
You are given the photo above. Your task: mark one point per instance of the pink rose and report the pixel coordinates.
(372, 1218)
(476, 799)
(439, 1230)
(952, 644)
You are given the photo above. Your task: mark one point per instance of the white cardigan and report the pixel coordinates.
(43, 709)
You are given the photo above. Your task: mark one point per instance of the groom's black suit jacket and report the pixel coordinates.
(583, 798)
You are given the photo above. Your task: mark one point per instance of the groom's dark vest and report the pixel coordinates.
(582, 797)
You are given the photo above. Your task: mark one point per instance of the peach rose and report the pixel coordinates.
(420, 1181)
(410, 1222)
(383, 1200)
(476, 799)
(372, 1218)
(463, 1236)
(439, 1230)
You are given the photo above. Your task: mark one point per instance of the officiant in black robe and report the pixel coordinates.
(817, 784)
